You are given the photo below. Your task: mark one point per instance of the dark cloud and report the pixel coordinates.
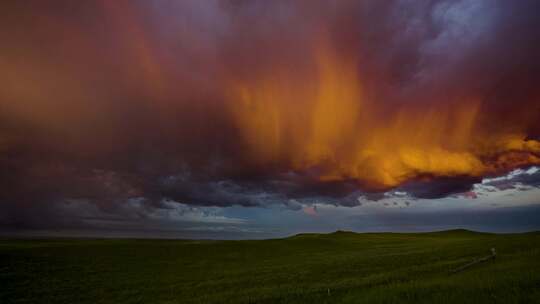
(515, 179)
(108, 102)
(440, 187)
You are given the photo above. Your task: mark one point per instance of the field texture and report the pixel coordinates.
(340, 267)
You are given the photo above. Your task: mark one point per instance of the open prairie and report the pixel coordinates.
(341, 267)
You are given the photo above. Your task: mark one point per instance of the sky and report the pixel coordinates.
(256, 119)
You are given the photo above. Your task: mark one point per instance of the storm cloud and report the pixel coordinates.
(259, 103)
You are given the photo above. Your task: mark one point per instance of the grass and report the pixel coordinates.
(341, 267)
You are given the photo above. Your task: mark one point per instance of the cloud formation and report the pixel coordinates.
(257, 103)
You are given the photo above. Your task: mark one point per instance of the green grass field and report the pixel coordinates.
(340, 267)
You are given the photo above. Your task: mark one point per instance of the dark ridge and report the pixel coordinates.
(456, 231)
(442, 232)
(342, 232)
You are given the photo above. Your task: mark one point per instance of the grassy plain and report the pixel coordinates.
(341, 267)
